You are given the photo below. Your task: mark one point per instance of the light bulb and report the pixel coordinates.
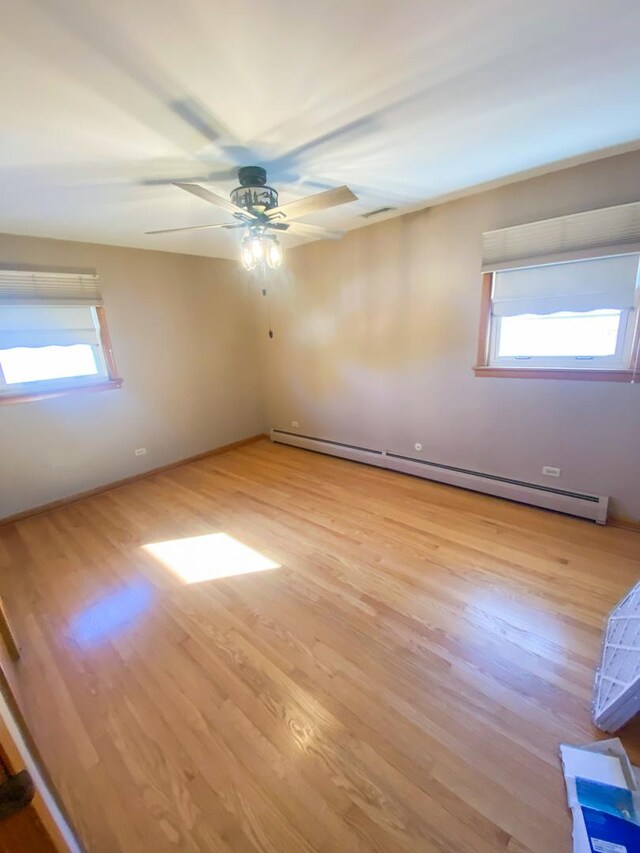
(246, 255)
(274, 255)
(257, 249)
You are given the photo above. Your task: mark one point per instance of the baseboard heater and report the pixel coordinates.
(593, 507)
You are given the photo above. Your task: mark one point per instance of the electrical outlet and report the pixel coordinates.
(550, 471)
(140, 451)
(295, 424)
(417, 446)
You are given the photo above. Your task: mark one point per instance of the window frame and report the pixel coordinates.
(582, 371)
(104, 380)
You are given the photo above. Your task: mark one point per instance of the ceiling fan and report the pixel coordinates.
(255, 207)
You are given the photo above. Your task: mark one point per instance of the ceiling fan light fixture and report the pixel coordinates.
(259, 248)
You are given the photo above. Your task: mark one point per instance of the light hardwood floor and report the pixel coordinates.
(400, 683)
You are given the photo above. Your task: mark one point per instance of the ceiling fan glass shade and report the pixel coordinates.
(274, 254)
(246, 256)
(257, 248)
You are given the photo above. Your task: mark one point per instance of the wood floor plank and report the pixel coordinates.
(400, 683)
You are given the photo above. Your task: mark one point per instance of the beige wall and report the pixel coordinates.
(184, 338)
(375, 337)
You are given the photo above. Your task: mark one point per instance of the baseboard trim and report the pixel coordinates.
(582, 505)
(117, 484)
(626, 523)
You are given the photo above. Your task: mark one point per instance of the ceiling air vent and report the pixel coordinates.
(376, 212)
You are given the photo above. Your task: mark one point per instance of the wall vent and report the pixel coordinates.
(593, 507)
(376, 212)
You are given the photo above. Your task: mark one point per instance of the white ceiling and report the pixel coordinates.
(407, 101)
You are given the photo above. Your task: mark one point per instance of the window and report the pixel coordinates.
(53, 336)
(595, 339)
(33, 364)
(576, 316)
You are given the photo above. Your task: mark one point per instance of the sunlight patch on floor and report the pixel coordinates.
(210, 557)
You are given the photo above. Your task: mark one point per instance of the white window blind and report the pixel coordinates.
(591, 234)
(20, 287)
(574, 286)
(46, 325)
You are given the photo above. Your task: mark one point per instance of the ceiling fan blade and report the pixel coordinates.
(222, 175)
(212, 198)
(304, 229)
(195, 228)
(314, 203)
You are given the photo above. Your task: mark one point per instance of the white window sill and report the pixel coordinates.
(580, 373)
(86, 388)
